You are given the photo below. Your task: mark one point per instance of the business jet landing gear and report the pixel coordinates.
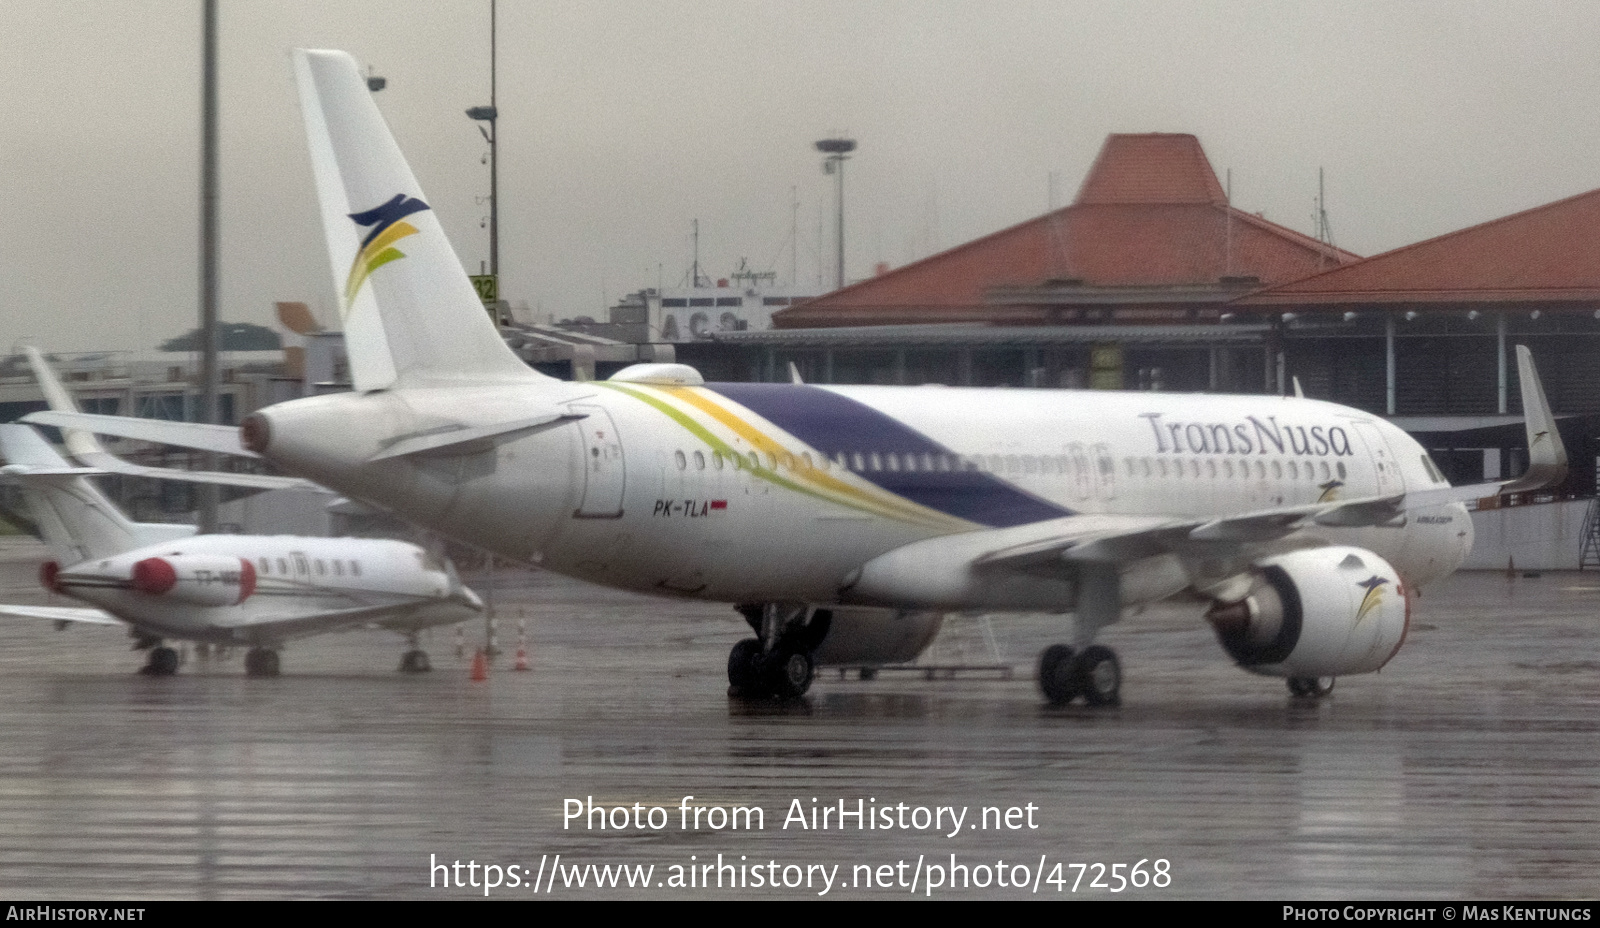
(778, 664)
(415, 660)
(1310, 687)
(1091, 671)
(162, 662)
(261, 662)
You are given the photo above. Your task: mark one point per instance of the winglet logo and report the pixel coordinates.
(1374, 597)
(1330, 491)
(377, 249)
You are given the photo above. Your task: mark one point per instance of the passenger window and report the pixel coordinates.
(805, 460)
(338, 568)
(683, 462)
(699, 461)
(1261, 471)
(1294, 471)
(1340, 465)
(716, 459)
(283, 566)
(321, 570)
(1277, 470)
(875, 462)
(355, 568)
(1211, 469)
(1161, 464)
(1323, 466)
(860, 463)
(1227, 469)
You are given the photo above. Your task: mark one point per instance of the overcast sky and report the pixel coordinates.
(622, 121)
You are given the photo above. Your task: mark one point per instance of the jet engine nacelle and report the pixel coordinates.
(1321, 612)
(874, 636)
(195, 579)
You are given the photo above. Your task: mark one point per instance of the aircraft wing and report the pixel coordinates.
(223, 439)
(62, 614)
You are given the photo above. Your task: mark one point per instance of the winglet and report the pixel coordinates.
(1547, 455)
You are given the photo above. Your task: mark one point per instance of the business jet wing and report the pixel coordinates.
(62, 614)
(291, 625)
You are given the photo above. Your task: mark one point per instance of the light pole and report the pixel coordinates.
(838, 152)
(489, 114)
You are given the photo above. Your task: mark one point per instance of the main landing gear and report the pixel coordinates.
(415, 660)
(1089, 670)
(162, 662)
(261, 662)
(778, 663)
(1310, 687)
(1093, 673)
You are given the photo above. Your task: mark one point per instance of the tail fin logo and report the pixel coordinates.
(377, 249)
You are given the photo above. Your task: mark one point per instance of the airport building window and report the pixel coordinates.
(675, 303)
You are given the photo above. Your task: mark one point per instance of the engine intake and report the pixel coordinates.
(1322, 612)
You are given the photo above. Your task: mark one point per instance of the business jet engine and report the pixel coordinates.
(1320, 612)
(195, 579)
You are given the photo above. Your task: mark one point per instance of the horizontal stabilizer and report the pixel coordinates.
(460, 435)
(223, 439)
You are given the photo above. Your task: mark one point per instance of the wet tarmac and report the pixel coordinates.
(1468, 769)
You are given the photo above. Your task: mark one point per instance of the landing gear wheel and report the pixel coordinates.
(415, 661)
(1098, 676)
(788, 673)
(1310, 687)
(163, 662)
(261, 662)
(744, 668)
(1055, 678)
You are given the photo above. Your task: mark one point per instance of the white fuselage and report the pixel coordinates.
(292, 586)
(777, 492)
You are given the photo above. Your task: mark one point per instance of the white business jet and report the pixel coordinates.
(843, 521)
(163, 581)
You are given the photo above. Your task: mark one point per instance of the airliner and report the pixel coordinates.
(843, 522)
(163, 581)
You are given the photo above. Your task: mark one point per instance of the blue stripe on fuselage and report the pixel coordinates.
(835, 424)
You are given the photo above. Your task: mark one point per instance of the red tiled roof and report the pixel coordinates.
(1150, 214)
(1154, 168)
(1551, 252)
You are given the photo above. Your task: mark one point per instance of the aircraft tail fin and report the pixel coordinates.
(74, 518)
(410, 313)
(1547, 454)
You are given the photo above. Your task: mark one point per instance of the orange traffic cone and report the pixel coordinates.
(480, 666)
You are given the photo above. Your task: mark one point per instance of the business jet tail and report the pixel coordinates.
(411, 316)
(76, 520)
